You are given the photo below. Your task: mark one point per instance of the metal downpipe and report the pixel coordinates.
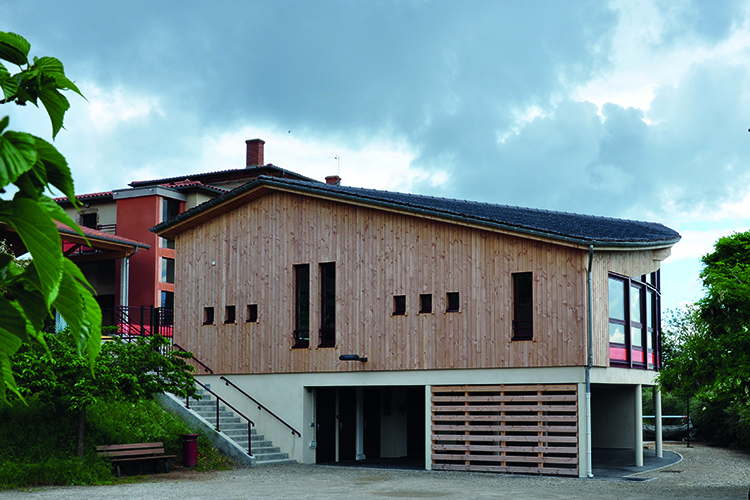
(590, 363)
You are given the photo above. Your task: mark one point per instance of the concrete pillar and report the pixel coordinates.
(124, 280)
(583, 443)
(360, 415)
(428, 427)
(638, 412)
(658, 422)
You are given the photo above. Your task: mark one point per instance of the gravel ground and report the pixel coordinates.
(704, 473)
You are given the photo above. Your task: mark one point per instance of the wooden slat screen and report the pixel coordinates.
(528, 429)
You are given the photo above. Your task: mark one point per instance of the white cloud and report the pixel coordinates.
(110, 107)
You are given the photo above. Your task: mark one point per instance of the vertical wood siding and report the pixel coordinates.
(246, 257)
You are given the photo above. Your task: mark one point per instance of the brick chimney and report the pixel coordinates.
(254, 153)
(334, 180)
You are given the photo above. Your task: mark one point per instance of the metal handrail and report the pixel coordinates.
(250, 423)
(209, 370)
(260, 406)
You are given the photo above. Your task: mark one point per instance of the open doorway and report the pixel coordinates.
(371, 426)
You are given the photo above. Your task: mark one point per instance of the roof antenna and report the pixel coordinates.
(338, 164)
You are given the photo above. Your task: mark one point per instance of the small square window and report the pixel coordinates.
(425, 303)
(229, 314)
(252, 313)
(453, 301)
(208, 315)
(399, 305)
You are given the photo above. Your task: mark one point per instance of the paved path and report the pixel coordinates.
(705, 473)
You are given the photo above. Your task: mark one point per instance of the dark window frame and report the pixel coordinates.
(167, 270)
(208, 315)
(327, 304)
(301, 334)
(252, 313)
(86, 220)
(399, 305)
(649, 286)
(523, 306)
(452, 302)
(425, 303)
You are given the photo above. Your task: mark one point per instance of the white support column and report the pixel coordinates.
(360, 415)
(124, 280)
(658, 422)
(638, 412)
(428, 427)
(584, 407)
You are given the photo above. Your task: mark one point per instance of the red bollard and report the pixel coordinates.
(190, 450)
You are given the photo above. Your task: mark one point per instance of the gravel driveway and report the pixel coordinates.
(704, 473)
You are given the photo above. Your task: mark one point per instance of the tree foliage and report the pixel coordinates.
(122, 371)
(33, 166)
(708, 347)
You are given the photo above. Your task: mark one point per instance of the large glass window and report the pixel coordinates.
(633, 320)
(302, 305)
(327, 304)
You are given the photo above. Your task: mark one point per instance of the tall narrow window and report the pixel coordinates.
(230, 314)
(302, 305)
(523, 306)
(170, 208)
(453, 302)
(399, 305)
(167, 270)
(327, 304)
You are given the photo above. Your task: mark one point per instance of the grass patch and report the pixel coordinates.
(39, 441)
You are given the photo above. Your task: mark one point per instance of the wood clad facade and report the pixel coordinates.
(506, 428)
(246, 256)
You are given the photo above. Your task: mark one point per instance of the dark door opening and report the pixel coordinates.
(347, 423)
(325, 421)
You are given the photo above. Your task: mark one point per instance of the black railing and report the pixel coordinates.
(219, 400)
(205, 367)
(144, 320)
(260, 405)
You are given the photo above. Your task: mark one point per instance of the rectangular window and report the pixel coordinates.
(453, 302)
(208, 315)
(167, 270)
(399, 305)
(252, 313)
(167, 299)
(165, 243)
(89, 220)
(170, 208)
(229, 314)
(523, 306)
(425, 303)
(328, 305)
(302, 305)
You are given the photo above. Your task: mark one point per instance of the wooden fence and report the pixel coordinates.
(531, 429)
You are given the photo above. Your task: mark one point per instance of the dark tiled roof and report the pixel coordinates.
(582, 229)
(89, 196)
(228, 176)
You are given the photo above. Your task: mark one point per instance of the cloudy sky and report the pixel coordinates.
(633, 109)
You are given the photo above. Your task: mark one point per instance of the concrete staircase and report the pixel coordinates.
(234, 430)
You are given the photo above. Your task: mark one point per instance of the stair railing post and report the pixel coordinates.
(217, 414)
(249, 438)
(141, 320)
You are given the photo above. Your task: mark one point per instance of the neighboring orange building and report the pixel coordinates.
(130, 212)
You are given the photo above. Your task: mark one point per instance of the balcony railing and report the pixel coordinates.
(144, 320)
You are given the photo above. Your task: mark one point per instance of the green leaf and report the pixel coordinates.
(58, 172)
(12, 327)
(6, 378)
(32, 303)
(57, 213)
(52, 68)
(56, 105)
(8, 83)
(80, 310)
(39, 234)
(17, 155)
(14, 48)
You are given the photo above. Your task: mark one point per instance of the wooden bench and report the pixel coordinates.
(132, 452)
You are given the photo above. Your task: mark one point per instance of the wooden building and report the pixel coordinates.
(386, 325)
